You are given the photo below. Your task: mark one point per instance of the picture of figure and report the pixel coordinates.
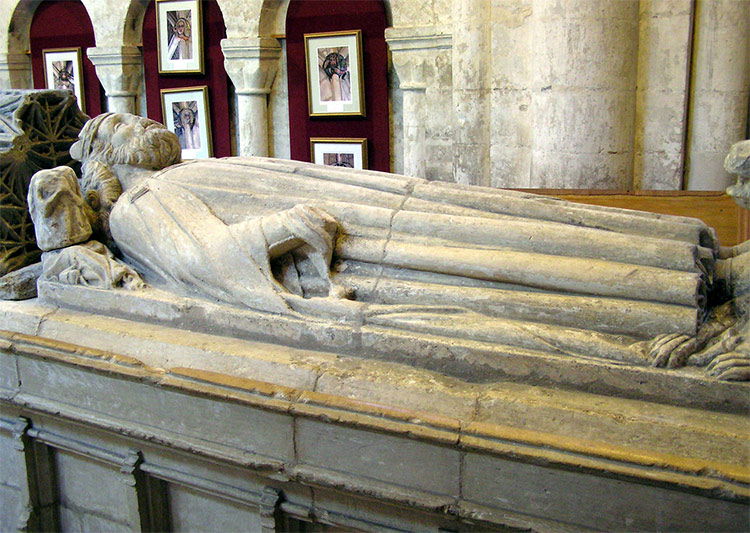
(63, 75)
(187, 126)
(180, 36)
(334, 78)
(338, 160)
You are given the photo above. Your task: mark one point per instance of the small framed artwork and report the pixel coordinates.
(334, 73)
(186, 114)
(62, 70)
(179, 36)
(348, 153)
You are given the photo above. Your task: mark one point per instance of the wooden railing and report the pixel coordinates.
(715, 208)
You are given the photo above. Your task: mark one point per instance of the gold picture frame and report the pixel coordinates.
(179, 36)
(63, 70)
(187, 115)
(339, 152)
(335, 73)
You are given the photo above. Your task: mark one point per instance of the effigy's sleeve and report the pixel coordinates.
(174, 239)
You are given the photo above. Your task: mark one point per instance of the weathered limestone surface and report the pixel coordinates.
(664, 42)
(468, 281)
(378, 434)
(583, 103)
(720, 89)
(519, 93)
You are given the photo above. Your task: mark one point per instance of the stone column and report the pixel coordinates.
(34, 466)
(471, 103)
(664, 44)
(719, 89)
(511, 67)
(584, 57)
(15, 71)
(252, 65)
(412, 51)
(120, 70)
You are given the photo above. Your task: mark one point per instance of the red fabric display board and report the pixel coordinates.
(316, 16)
(65, 25)
(215, 76)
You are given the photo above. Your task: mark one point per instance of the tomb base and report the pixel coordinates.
(110, 423)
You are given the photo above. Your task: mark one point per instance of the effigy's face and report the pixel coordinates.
(119, 130)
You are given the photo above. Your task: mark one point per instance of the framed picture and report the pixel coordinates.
(350, 153)
(62, 70)
(334, 73)
(186, 114)
(179, 36)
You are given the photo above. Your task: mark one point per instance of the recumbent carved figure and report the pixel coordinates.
(432, 259)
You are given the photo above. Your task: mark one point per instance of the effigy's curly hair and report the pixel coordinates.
(153, 147)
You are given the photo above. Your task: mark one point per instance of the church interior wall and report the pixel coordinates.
(214, 76)
(74, 30)
(634, 94)
(114, 420)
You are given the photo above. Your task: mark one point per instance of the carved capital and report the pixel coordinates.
(251, 64)
(269, 508)
(19, 431)
(118, 68)
(15, 70)
(412, 50)
(411, 70)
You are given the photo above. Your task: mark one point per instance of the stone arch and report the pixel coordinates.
(132, 28)
(15, 64)
(263, 18)
(19, 14)
(242, 18)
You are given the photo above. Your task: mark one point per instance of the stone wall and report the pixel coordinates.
(644, 94)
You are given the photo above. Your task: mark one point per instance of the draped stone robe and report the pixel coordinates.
(429, 257)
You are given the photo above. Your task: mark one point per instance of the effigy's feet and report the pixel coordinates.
(731, 366)
(725, 356)
(672, 350)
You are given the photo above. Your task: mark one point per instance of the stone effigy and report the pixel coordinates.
(452, 277)
(36, 131)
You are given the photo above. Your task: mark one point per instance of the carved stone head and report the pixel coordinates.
(122, 138)
(57, 209)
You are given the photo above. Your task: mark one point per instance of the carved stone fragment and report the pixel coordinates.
(57, 209)
(20, 284)
(36, 131)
